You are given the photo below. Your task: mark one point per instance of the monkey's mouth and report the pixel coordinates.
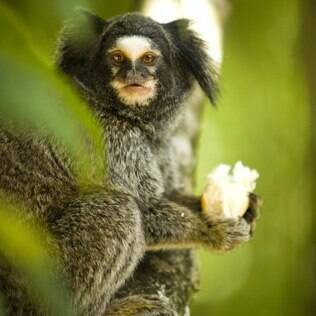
(135, 92)
(136, 88)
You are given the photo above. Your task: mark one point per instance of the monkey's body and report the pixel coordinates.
(101, 233)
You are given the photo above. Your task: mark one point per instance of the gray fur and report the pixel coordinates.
(101, 233)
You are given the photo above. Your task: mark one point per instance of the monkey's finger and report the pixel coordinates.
(255, 200)
(252, 213)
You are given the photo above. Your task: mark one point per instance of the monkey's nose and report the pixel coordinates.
(134, 77)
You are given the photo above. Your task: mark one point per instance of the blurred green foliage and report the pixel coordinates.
(45, 18)
(263, 119)
(32, 92)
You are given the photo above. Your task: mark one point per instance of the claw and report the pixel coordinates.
(252, 213)
(255, 199)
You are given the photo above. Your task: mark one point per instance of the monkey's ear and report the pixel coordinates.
(78, 41)
(97, 24)
(192, 55)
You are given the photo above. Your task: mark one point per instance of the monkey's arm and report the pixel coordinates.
(168, 224)
(190, 201)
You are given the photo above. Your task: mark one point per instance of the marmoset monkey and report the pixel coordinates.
(136, 75)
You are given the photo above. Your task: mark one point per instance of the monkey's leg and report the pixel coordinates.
(100, 241)
(140, 305)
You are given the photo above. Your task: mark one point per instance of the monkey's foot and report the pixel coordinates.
(141, 305)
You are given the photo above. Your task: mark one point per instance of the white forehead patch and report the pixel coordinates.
(134, 46)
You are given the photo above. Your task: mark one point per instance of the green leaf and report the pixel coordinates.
(33, 93)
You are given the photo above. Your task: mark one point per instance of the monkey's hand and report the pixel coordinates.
(221, 219)
(180, 223)
(227, 233)
(228, 206)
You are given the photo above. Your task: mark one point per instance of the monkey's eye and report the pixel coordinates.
(149, 59)
(117, 58)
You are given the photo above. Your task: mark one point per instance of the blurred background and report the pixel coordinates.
(265, 117)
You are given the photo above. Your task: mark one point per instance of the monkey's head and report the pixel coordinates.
(135, 63)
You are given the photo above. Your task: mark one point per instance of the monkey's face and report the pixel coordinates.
(133, 61)
(144, 65)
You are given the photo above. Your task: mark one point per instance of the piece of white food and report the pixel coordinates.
(226, 194)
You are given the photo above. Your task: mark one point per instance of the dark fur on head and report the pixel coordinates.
(82, 49)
